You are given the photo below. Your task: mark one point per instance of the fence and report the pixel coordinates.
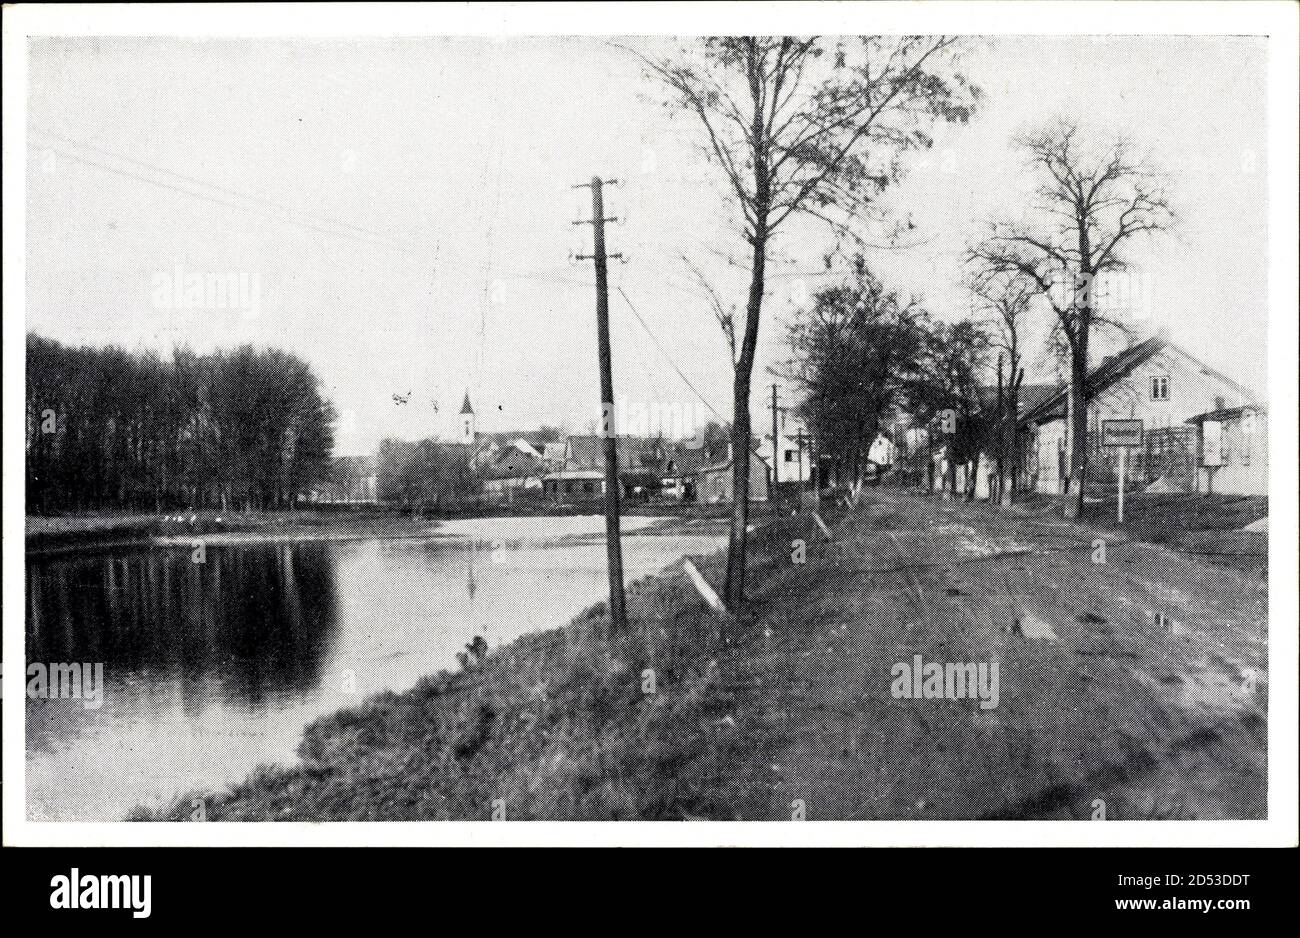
(1168, 453)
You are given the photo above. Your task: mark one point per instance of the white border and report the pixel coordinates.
(1278, 20)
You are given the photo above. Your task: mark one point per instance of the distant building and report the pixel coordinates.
(553, 454)
(792, 452)
(516, 468)
(583, 469)
(680, 478)
(716, 482)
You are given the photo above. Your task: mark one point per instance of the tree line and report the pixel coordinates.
(425, 474)
(860, 355)
(817, 128)
(111, 429)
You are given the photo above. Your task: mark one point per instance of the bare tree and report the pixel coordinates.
(1005, 301)
(1090, 207)
(811, 127)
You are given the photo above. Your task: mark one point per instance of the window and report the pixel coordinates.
(1160, 388)
(789, 455)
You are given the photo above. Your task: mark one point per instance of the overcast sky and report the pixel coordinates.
(399, 210)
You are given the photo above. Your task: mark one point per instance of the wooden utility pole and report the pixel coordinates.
(799, 442)
(1000, 440)
(776, 447)
(613, 536)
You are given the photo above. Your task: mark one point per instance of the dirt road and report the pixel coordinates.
(1132, 683)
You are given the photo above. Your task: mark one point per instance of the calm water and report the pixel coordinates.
(212, 669)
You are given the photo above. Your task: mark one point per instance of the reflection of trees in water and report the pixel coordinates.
(251, 621)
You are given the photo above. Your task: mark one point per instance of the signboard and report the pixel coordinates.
(1126, 433)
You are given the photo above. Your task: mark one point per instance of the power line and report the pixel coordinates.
(212, 185)
(664, 352)
(354, 232)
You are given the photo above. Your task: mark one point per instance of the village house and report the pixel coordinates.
(681, 473)
(1154, 381)
(583, 468)
(509, 463)
(791, 455)
(516, 468)
(716, 483)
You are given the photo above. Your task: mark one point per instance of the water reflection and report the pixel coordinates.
(259, 620)
(212, 669)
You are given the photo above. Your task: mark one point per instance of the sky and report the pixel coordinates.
(398, 212)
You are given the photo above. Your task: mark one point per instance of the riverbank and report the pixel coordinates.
(1139, 684)
(94, 531)
(561, 724)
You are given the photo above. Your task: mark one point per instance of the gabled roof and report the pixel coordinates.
(526, 446)
(635, 454)
(1034, 395)
(1227, 413)
(686, 460)
(512, 462)
(726, 462)
(1117, 367)
(1031, 395)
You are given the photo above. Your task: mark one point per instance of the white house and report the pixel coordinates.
(792, 461)
(1155, 381)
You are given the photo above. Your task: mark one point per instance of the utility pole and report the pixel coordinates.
(799, 441)
(613, 537)
(776, 447)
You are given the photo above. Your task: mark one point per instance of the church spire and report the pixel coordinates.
(468, 430)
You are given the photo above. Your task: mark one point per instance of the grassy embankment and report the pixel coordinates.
(558, 725)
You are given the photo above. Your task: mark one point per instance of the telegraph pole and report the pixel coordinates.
(776, 448)
(613, 538)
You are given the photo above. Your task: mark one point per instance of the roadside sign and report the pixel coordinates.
(1126, 435)
(1121, 433)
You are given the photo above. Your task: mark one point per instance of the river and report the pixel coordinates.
(212, 668)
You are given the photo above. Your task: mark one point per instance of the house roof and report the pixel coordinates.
(1227, 413)
(635, 454)
(1030, 397)
(726, 463)
(512, 462)
(1115, 368)
(525, 445)
(686, 459)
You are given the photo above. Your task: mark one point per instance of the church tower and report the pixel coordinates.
(467, 429)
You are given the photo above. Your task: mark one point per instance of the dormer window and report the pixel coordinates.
(1160, 388)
